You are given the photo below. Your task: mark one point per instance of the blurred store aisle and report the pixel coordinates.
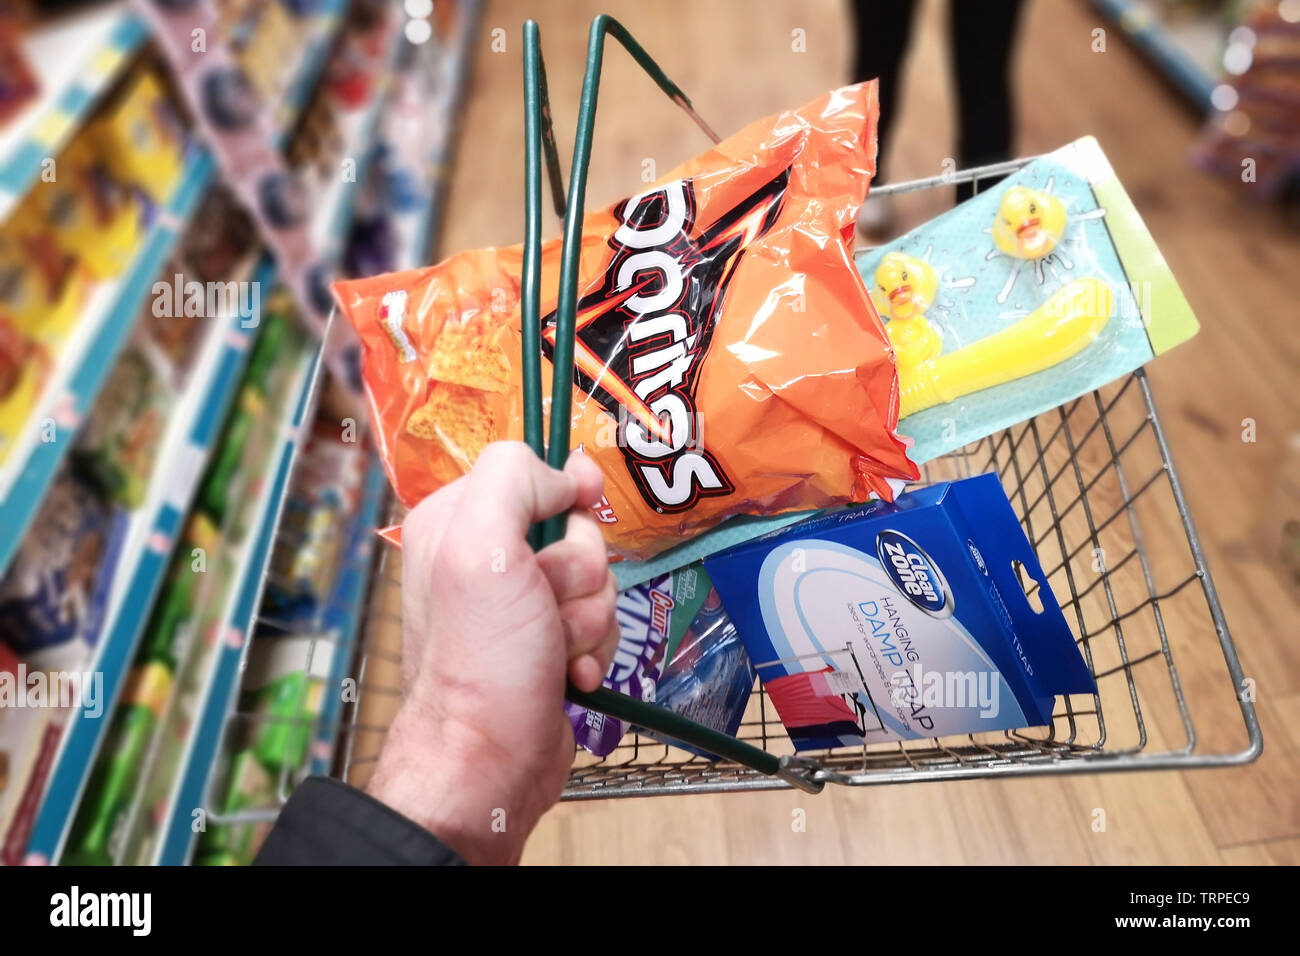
(739, 61)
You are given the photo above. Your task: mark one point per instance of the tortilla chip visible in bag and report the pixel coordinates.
(728, 357)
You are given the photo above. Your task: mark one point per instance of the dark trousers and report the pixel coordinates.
(982, 34)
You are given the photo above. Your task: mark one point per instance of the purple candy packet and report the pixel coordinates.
(644, 615)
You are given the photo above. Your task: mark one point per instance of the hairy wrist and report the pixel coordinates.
(425, 775)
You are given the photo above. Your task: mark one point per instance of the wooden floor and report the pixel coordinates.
(1238, 266)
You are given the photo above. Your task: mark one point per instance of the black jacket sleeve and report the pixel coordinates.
(328, 823)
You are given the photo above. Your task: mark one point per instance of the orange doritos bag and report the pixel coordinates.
(728, 358)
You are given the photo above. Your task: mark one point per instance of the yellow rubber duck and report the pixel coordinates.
(905, 288)
(1029, 223)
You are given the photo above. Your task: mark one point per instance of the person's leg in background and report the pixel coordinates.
(983, 36)
(881, 32)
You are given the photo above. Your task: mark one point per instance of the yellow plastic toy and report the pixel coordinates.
(1063, 326)
(905, 288)
(1029, 223)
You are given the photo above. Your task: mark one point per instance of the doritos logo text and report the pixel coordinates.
(643, 336)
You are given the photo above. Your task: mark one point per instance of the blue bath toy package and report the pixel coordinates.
(998, 259)
(903, 621)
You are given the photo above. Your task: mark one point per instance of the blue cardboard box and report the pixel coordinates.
(902, 621)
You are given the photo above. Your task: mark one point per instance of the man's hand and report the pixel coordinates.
(481, 746)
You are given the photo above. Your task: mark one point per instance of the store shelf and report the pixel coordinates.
(343, 619)
(314, 55)
(152, 532)
(1184, 53)
(222, 682)
(75, 60)
(108, 318)
(329, 229)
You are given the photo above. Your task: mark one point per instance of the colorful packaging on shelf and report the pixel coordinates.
(93, 216)
(23, 370)
(56, 591)
(218, 490)
(249, 786)
(20, 733)
(231, 93)
(142, 138)
(222, 242)
(325, 494)
(41, 288)
(283, 686)
(903, 621)
(118, 445)
(100, 829)
(42, 736)
(709, 677)
(18, 83)
(170, 344)
(729, 359)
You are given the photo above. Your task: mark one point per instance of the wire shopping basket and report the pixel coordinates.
(1093, 484)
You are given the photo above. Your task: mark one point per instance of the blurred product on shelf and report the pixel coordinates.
(96, 835)
(170, 340)
(83, 225)
(281, 693)
(249, 786)
(108, 180)
(92, 216)
(141, 137)
(18, 83)
(350, 77)
(238, 494)
(20, 733)
(326, 491)
(301, 630)
(1253, 133)
(236, 86)
(54, 595)
(118, 444)
(259, 35)
(52, 603)
(215, 492)
(24, 366)
(223, 245)
(317, 142)
(42, 289)
(372, 245)
(28, 738)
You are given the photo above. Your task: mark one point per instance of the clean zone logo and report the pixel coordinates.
(915, 575)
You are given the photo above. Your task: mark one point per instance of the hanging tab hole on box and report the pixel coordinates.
(1028, 586)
